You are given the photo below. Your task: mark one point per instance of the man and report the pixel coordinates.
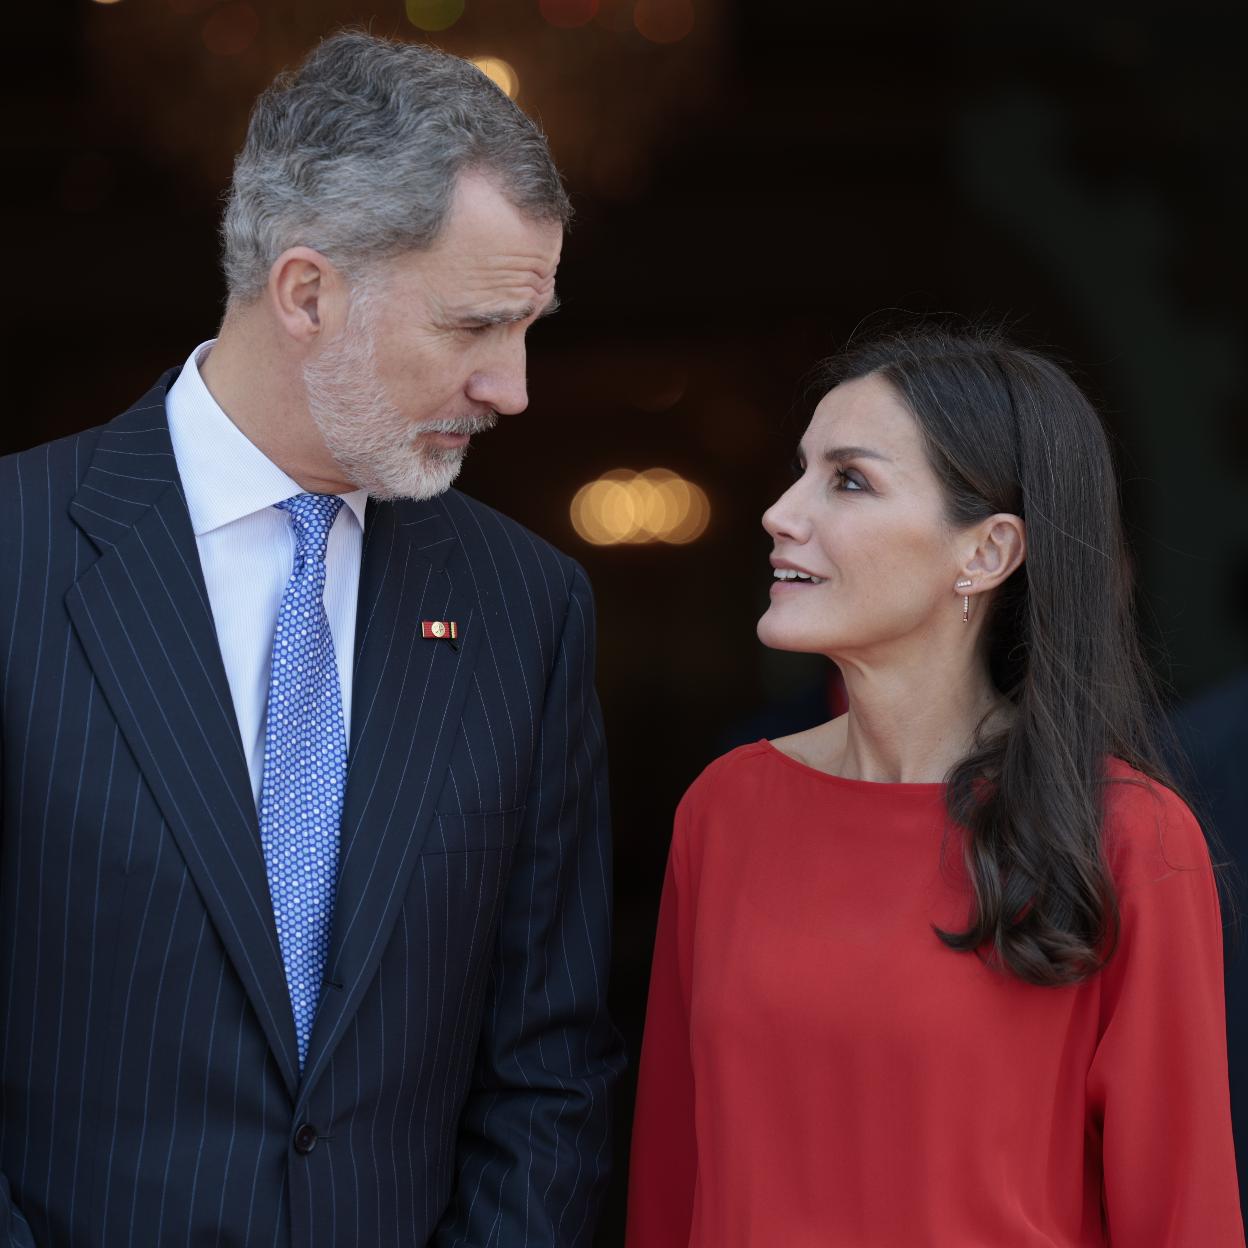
(1210, 733)
(305, 877)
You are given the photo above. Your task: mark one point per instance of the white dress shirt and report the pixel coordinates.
(247, 550)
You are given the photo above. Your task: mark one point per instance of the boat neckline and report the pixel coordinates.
(926, 788)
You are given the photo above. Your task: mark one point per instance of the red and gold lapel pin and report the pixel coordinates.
(439, 628)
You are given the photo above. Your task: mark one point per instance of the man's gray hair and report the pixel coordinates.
(356, 154)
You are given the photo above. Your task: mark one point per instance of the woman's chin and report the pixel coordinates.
(776, 637)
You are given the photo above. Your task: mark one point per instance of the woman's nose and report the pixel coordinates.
(785, 518)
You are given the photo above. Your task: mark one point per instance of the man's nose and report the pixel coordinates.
(502, 384)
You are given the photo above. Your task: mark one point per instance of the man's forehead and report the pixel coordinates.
(497, 267)
(483, 224)
(527, 270)
(503, 281)
(458, 281)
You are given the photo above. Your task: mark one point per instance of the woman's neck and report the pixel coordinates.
(904, 727)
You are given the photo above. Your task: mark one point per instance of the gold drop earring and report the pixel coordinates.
(966, 600)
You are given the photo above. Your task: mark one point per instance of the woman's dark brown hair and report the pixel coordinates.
(1008, 431)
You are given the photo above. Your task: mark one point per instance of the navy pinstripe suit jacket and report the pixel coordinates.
(457, 1085)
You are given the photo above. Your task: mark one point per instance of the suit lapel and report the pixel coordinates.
(142, 615)
(407, 698)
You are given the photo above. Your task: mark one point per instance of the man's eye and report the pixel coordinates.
(477, 329)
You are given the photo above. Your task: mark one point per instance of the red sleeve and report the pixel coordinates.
(663, 1164)
(1157, 1086)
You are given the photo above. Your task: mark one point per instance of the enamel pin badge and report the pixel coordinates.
(438, 629)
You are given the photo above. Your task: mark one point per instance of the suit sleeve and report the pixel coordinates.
(14, 1229)
(534, 1146)
(1157, 1086)
(663, 1167)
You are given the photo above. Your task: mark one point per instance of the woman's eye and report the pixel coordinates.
(849, 480)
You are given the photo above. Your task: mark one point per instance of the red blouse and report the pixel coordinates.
(820, 1069)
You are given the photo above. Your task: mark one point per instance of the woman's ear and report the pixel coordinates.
(1000, 546)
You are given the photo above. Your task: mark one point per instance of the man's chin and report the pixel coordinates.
(415, 485)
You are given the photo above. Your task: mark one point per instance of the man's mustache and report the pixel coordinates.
(480, 422)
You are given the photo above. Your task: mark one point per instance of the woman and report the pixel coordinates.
(945, 971)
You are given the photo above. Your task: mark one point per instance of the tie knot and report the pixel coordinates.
(313, 516)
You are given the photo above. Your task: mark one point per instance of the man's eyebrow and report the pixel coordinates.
(507, 316)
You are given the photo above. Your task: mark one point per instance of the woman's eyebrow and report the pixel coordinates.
(838, 454)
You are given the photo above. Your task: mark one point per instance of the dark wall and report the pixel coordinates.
(747, 197)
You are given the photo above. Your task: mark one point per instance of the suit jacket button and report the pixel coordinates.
(305, 1139)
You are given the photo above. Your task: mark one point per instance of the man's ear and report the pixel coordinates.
(999, 546)
(308, 295)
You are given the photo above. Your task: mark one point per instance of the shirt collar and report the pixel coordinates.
(225, 476)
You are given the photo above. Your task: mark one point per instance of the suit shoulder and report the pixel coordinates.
(45, 476)
(483, 530)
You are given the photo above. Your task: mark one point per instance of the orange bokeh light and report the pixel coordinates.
(631, 508)
(500, 73)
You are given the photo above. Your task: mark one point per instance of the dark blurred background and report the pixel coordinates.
(754, 182)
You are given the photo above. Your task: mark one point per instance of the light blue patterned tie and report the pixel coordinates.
(305, 765)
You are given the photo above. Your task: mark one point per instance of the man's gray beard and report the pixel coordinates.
(373, 443)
